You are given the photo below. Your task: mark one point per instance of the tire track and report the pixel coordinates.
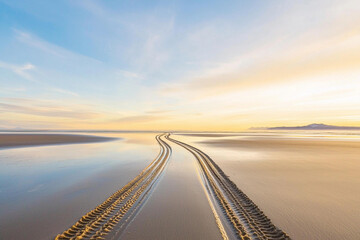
(120, 207)
(245, 218)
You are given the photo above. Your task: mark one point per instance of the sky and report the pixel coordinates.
(178, 65)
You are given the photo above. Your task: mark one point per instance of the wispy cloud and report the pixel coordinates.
(37, 43)
(29, 107)
(159, 111)
(148, 33)
(47, 47)
(64, 91)
(142, 118)
(329, 53)
(12, 89)
(129, 74)
(21, 70)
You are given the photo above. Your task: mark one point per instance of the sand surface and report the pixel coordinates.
(178, 208)
(308, 186)
(45, 189)
(17, 140)
(181, 194)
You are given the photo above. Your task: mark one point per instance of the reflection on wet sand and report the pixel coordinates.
(53, 185)
(115, 212)
(178, 208)
(299, 182)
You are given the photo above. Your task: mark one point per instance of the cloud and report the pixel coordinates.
(341, 53)
(21, 70)
(128, 74)
(47, 47)
(54, 111)
(142, 118)
(283, 46)
(158, 111)
(63, 91)
(147, 33)
(36, 42)
(12, 89)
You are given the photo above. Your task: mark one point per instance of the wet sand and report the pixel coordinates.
(110, 217)
(194, 200)
(22, 140)
(166, 200)
(51, 215)
(178, 207)
(45, 189)
(286, 144)
(307, 186)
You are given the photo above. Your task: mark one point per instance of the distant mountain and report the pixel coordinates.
(315, 126)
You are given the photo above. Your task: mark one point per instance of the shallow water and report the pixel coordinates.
(45, 189)
(307, 184)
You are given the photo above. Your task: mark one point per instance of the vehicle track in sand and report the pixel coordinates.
(110, 217)
(236, 215)
(244, 218)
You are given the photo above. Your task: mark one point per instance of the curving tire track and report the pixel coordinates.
(246, 220)
(119, 208)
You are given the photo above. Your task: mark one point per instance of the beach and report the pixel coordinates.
(169, 198)
(178, 208)
(44, 189)
(306, 183)
(176, 186)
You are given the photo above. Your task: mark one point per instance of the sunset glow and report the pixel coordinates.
(168, 66)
